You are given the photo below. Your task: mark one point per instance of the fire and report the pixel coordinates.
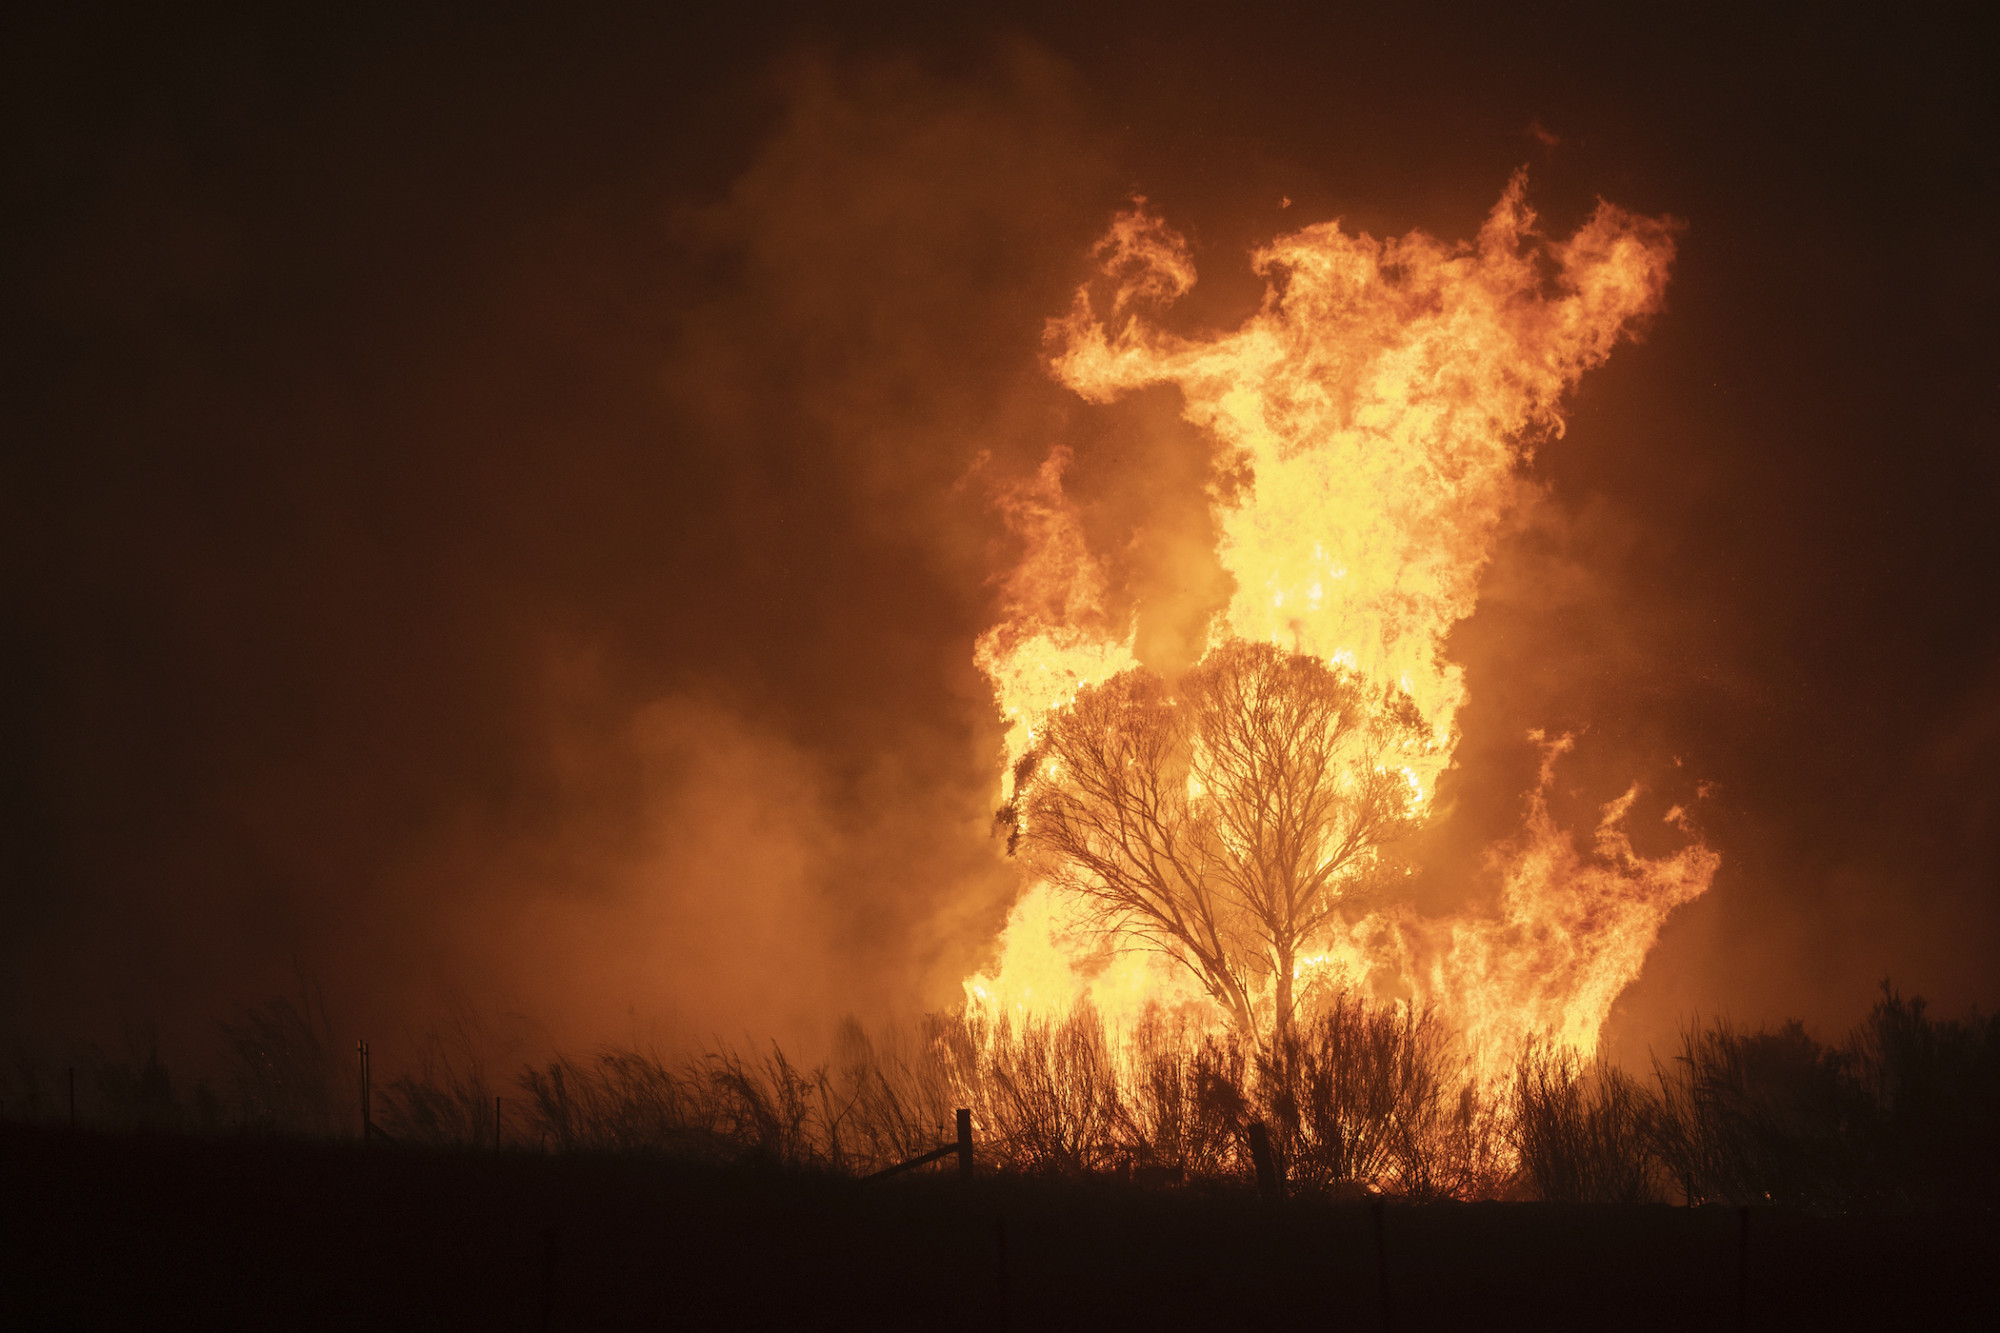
(1383, 401)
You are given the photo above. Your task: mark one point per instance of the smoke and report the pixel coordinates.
(503, 515)
(580, 631)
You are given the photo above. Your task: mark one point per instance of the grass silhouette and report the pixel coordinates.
(1901, 1113)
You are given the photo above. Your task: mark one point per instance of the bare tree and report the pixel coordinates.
(1225, 821)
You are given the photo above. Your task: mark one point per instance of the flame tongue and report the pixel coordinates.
(1382, 400)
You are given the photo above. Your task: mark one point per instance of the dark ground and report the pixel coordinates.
(110, 1232)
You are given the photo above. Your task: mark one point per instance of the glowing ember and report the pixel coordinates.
(1383, 399)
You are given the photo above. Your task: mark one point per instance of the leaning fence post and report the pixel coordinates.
(964, 1143)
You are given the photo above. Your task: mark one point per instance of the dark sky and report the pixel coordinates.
(491, 509)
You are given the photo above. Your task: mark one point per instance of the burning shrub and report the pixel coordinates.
(1184, 1105)
(1336, 1091)
(1045, 1094)
(1375, 1098)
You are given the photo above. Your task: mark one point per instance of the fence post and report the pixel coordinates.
(964, 1143)
(72, 1096)
(1268, 1183)
(496, 1123)
(366, 1124)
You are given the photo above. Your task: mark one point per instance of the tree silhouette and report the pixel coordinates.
(1224, 820)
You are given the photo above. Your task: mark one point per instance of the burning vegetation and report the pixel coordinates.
(1217, 841)
(1355, 1099)
(1225, 822)
(1217, 972)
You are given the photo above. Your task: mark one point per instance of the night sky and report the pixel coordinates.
(494, 512)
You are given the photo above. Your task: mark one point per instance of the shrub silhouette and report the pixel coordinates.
(1583, 1130)
(1350, 1094)
(1763, 1117)
(134, 1090)
(1903, 1112)
(1934, 1090)
(1184, 1108)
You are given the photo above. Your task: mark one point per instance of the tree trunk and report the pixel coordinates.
(1281, 1018)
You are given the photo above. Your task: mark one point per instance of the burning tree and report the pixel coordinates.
(1225, 822)
(1381, 407)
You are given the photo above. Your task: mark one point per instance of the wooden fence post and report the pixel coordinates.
(1268, 1183)
(964, 1143)
(367, 1125)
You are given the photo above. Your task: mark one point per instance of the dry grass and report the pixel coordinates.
(283, 1069)
(1360, 1099)
(1903, 1112)
(447, 1101)
(716, 1106)
(1044, 1094)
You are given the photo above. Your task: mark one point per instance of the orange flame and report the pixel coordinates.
(1383, 400)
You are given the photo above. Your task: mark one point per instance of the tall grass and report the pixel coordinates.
(447, 1100)
(1045, 1093)
(724, 1106)
(1356, 1099)
(281, 1065)
(1904, 1111)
